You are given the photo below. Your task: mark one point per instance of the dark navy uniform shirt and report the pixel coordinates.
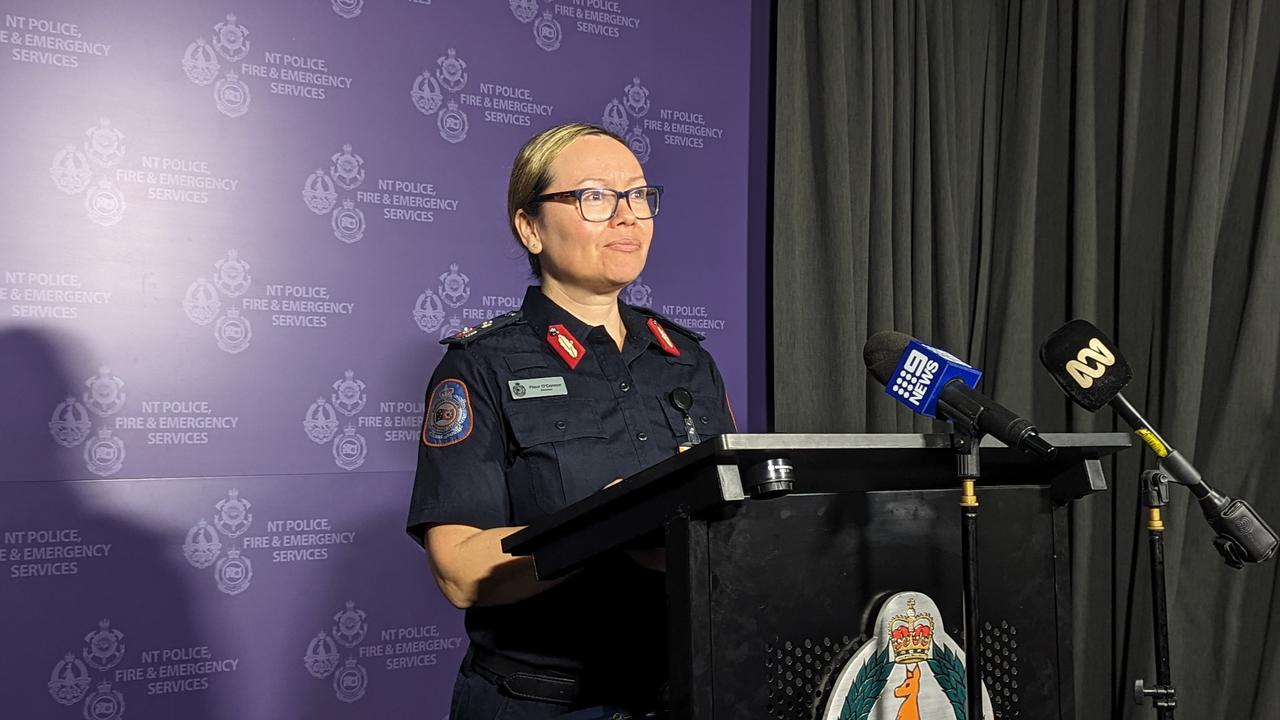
(540, 410)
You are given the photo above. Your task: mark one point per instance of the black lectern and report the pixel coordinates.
(770, 592)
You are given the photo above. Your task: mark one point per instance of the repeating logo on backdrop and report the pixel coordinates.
(322, 659)
(454, 288)
(322, 656)
(104, 455)
(71, 423)
(204, 304)
(348, 222)
(104, 144)
(229, 41)
(349, 395)
(430, 310)
(349, 626)
(104, 704)
(72, 172)
(600, 19)
(104, 392)
(231, 95)
(223, 57)
(233, 573)
(347, 168)
(71, 676)
(104, 647)
(322, 420)
(203, 546)
(428, 94)
(233, 517)
(200, 63)
(69, 680)
(320, 194)
(637, 293)
(232, 277)
(232, 332)
(524, 10)
(618, 116)
(348, 8)
(547, 32)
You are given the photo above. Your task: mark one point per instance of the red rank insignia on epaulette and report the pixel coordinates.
(663, 338)
(565, 345)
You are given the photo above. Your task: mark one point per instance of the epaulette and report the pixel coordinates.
(468, 335)
(669, 323)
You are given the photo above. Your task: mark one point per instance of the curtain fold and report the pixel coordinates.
(975, 174)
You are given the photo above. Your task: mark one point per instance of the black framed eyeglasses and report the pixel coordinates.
(601, 204)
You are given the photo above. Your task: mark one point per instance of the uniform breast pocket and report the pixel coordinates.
(562, 446)
(707, 415)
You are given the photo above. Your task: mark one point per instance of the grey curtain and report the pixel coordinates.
(975, 174)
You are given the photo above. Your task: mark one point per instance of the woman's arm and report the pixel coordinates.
(472, 570)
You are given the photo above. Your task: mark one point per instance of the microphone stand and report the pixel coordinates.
(1155, 494)
(968, 470)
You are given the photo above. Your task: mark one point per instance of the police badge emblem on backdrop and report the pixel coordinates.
(321, 660)
(286, 73)
(427, 95)
(71, 423)
(203, 546)
(163, 671)
(321, 420)
(72, 172)
(336, 653)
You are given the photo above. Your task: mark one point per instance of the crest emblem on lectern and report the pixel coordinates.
(909, 668)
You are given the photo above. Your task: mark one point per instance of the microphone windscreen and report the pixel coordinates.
(1085, 364)
(882, 352)
(914, 373)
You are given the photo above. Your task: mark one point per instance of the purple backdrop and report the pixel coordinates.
(231, 239)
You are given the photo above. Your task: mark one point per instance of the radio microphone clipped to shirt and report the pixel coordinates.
(1091, 371)
(937, 384)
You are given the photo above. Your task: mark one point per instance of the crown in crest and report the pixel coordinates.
(911, 635)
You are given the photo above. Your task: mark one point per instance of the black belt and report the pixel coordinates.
(524, 681)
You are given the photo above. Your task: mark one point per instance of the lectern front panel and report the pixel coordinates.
(793, 583)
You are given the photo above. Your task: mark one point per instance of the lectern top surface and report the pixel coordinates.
(709, 473)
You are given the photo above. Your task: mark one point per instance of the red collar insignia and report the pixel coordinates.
(663, 338)
(565, 345)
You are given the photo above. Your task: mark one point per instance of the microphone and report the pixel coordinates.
(1091, 371)
(935, 383)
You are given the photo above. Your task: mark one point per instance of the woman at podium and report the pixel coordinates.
(531, 411)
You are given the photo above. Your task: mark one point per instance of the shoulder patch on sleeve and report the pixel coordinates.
(448, 420)
(669, 323)
(468, 335)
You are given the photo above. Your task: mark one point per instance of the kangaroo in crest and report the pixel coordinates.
(909, 689)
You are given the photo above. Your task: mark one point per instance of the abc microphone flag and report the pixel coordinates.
(1082, 361)
(1090, 370)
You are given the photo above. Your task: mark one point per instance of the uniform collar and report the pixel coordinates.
(542, 312)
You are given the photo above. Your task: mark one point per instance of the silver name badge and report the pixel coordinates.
(537, 387)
